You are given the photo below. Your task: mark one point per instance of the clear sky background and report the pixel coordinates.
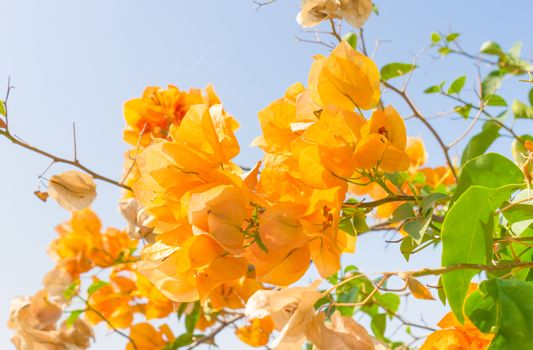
(78, 61)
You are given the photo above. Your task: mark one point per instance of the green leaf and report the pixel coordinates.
(403, 212)
(521, 110)
(192, 318)
(183, 339)
(530, 95)
(495, 100)
(393, 70)
(378, 324)
(71, 290)
(503, 307)
(457, 85)
(74, 315)
(351, 39)
(417, 228)
(434, 89)
(444, 51)
(491, 48)
(407, 247)
(491, 83)
(375, 9)
(435, 38)
(3, 108)
(346, 224)
(467, 238)
(516, 49)
(489, 170)
(388, 301)
(463, 111)
(96, 286)
(479, 143)
(452, 37)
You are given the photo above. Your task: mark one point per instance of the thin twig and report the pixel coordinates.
(211, 336)
(57, 159)
(116, 330)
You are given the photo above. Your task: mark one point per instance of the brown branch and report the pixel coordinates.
(418, 115)
(211, 336)
(99, 314)
(445, 269)
(373, 204)
(57, 159)
(493, 118)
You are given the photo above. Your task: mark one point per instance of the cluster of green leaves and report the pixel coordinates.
(381, 308)
(471, 226)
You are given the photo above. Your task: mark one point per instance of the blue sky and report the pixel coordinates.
(78, 61)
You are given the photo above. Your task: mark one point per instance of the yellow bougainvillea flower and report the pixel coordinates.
(219, 211)
(204, 139)
(291, 309)
(146, 337)
(72, 190)
(383, 142)
(355, 12)
(257, 333)
(113, 302)
(320, 222)
(279, 267)
(72, 250)
(416, 152)
(151, 115)
(336, 134)
(157, 305)
(190, 272)
(346, 79)
(342, 332)
(455, 335)
(81, 245)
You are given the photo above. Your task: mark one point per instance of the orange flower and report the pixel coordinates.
(152, 115)
(383, 143)
(77, 238)
(113, 302)
(257, 332)
(346, 79)
(146, 337)
(457, 336)
(157, 305)
(454, 335)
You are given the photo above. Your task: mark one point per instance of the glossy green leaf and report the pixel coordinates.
(457, 85)
(491, 48)
(516, 49)
(489, 170)
(73, 317)
(393, 70)
(521, 110)
(496, 101)
(464, 110)
(435, 38)
(351, 38)
(467, 238)
(503, 307)
(95, 286)
(481, 142)
(491, 83)
(434, 89)
(452, 37)
(444, 51)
